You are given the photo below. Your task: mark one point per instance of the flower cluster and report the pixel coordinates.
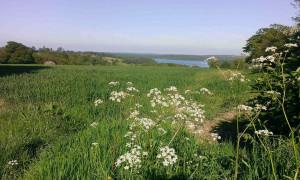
(167, 155)
(114, 83)
(244, 108)
(271, 49)
(259, 107)
(205, 91)
(237, 76)
(264, 132)
(262, 61)
(291, 45)
(215, 136)
(132, 89)
(171, 89)
(94, 124)
(98, 102)
(13, 163)
(273, 93)
(146, 123)
(131, 159)
(117, 96)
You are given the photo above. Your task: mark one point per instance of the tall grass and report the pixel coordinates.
(45, 122)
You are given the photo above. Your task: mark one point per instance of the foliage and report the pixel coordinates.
(272, 36)
(278, 86)
(238, 63)
(16, 53)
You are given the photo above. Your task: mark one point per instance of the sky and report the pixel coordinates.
(140, 26)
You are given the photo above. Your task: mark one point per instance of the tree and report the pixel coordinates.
(272, 36)
(18, 53)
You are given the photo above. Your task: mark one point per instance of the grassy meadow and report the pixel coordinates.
(46, 115)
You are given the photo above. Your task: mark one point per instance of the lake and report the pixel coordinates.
(198, 63)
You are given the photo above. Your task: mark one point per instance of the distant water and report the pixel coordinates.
(198, 63)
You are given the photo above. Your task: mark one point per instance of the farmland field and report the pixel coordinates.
(52, 127)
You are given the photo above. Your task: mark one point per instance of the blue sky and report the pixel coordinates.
(152, 26)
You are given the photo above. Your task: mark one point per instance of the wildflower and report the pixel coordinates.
(264, 132)
(171, 89)
(94, 124)
(13, 163)
(134, 114)
(167, 155)
(205, 91)
(237, 76)
(215, 136)
(95, 144)
(274, 93)
(98, 102)
(146, 123)
(117, 96)
(187, 91)
(137, 105)
(271, 49)
(113, 83)
(132, 89)
(291, 45)
(260, 107)
(131, 159)
(244, 108)
(145, 153)
(129, 83)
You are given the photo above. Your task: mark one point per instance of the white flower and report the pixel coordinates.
(117, 96)
(215, 136)
(146, 123)
(244, 108)
(171, 89)
(131, 159)
(260, 107)
(237, 76)
(113, 83)
(94, 124)
(264, 132)
(129, 83)
(291, 45)
(167, 155)
(13, 162)
(132, 89)
(205, 91)
(187, 91)
(274, 93)
(98, 102)
(95, 144)
(271, 49)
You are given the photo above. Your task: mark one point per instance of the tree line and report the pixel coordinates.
(17, 53)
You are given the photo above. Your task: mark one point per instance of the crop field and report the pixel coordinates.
(110, 122)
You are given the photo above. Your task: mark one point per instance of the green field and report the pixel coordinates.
(46, 115)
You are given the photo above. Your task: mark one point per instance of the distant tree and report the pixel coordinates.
(17, 53)
(272, 36)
